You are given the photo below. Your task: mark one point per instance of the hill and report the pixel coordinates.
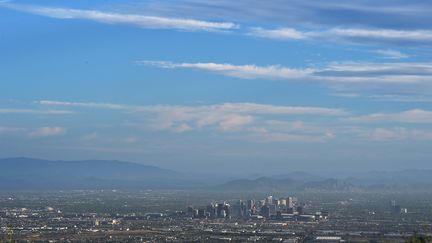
(28, 174)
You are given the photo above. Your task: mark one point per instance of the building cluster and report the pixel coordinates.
(63, 217)
(396, 208)
(269, 208)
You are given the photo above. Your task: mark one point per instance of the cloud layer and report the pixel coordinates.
(152, 22)
(355, 35)
(255, 120)
(47, 132)
(369, 33)
(267, 123)
(350, 72)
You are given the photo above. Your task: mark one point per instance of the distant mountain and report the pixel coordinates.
(412, 176)
(38, 174)
(27, 173)
(288, 184)
(378, 181)
(259, 184)
(329, 185)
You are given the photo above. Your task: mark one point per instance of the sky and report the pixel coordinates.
(222, 86)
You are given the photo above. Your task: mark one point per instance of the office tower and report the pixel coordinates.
(265, 211)
(282, 202)
(290, 210)
(201, 213)
(300, 210)
(269, 200)
(290, 203)
(236, 210)
(227, 211)
(250, 204)
(220, 210)
(272, 209)
(211, 210)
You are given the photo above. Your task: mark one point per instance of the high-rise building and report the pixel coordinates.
(211, 210)
(269, 200)
(291, 202)
(300, 210)
(272, 209)
(250, 204)
(227, 210)
(220, 210)
(265, 211)
(282, 202)
(201, 213)
(237, 210)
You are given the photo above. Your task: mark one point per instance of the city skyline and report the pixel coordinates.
(216, 86)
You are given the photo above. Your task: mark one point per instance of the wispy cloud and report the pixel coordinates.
(252, 108)
(353, 35)
(352, 72)
(246, 118)
(279, 34)
(90, 136)
(33, 111)
(239, 71)
(293, 131)
(143, 21)
(409, 116)
(402, 98)
(4, 129)
(83, 104)
(391, 54)
(262, 122)
(47, 132)
(398, 134)
(413, 14)
(388, 97)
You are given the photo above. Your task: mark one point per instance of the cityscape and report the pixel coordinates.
(185, 216)
(293, 121)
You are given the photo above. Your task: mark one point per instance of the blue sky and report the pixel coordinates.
(219, 86)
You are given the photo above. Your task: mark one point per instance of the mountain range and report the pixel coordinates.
(39, 174)
(28, 173)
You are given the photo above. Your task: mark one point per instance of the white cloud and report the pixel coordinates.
(348, 72)
(263, 122)
(391, 54)
(345, 95)
(281, 34)
(90, 137)
(234, 122)
(398, 133)
(33, 111)
(401, 98)
(47, 132)
(227, 116)
(409, 116)
(184, 127)
(250, 119)
(153, 22)
(378, 35)
(269, 131)
(130, 140)
(356, 35)
(180, 111)
(275, 136)
(274, 72)
(83, 104)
